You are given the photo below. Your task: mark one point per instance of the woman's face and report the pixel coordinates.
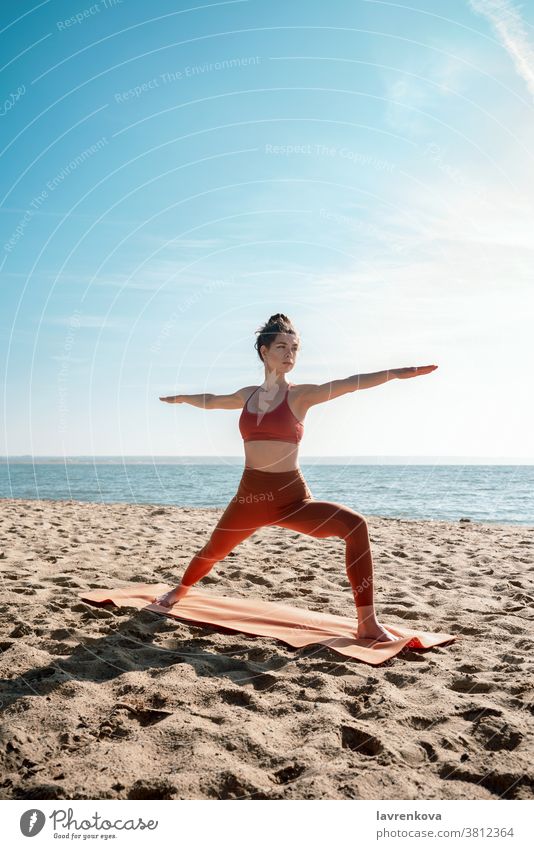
(282, 354)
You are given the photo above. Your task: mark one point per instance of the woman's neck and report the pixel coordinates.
(272, 383)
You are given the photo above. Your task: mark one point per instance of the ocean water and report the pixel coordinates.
(501, 494)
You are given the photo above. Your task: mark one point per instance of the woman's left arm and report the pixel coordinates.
(312, 393)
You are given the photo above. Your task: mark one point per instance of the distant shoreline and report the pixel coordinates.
(334, 460)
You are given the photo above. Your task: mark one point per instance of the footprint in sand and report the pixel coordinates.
(65, 581)
(288, 773)
(506, 785)
(400, 679)
(143, 714)
(463, 629)
(24, 590)
(358, 740)
(333, 668)
(151, 788)
(494, 735)
(421, 723)
(429, 749)
(237, 698)
(231, 785)
(261, 680)
(475, 712)
(57, 649)
(258, 579)
(466, 684)
(21, 629)
(412, 753)
(512, 659)
(364, 688)
(401, 613)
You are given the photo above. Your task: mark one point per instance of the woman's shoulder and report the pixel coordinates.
(299, 389)
(246, 391)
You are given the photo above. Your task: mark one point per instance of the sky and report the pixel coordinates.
(173, 174)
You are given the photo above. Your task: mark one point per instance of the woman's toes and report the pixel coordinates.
(385, 636)
(390, 638)
(163, 600)
(172, 597)
(378, 635)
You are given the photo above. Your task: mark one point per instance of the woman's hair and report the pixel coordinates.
(278, 323)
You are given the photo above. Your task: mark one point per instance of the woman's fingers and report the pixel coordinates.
(413, 371)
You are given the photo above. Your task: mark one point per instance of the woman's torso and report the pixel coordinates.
(273, 455)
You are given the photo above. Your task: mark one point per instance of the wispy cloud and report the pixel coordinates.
(510, 27)
(404, 97)
(410, 92)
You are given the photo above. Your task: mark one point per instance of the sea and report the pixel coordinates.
(403, 488)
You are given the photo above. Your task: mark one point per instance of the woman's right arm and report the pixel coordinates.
(195, 400)
(209, 401)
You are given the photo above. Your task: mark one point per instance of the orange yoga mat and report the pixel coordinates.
(295, 626)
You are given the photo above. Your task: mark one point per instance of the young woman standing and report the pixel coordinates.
(272, 489)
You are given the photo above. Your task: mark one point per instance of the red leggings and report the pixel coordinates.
(283, 498)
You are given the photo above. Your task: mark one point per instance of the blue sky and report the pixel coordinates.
(174, 174)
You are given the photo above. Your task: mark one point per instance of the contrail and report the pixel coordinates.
(510, 27)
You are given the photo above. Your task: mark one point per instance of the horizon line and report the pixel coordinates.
(494, 459)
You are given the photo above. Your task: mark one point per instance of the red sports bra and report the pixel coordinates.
(279, 424)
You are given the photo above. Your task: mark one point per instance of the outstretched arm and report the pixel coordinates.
(313, 393)
(209, 401)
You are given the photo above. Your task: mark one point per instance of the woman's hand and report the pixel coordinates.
(172, 399)
(413, 371)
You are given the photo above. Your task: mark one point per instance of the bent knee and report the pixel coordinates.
(355, 523)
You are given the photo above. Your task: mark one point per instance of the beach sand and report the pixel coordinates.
(114, 703)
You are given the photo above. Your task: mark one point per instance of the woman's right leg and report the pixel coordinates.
(238, 522)
(235, 525)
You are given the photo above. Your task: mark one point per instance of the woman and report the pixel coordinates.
(272, 489)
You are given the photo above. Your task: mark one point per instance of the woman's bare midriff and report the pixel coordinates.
(269, 455)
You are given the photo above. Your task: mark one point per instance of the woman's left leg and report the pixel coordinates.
(323, 519)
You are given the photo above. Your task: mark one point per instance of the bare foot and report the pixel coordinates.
(375, 631)
(170, 598)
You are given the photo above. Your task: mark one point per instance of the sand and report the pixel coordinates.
(115, 703)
